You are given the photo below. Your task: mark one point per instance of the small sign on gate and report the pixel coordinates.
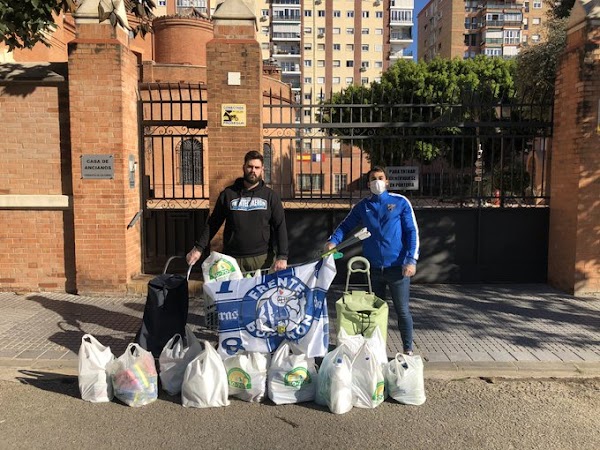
(403, 178)
(97, 167)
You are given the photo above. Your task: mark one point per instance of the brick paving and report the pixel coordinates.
(460, 326)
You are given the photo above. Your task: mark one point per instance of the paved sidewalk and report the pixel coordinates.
(460, 330)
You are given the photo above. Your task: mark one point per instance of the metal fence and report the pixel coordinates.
(471, 152)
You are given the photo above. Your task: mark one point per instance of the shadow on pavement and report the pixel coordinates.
(51, 382)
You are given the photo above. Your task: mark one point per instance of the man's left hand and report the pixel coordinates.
(409, 270)
(279, 264)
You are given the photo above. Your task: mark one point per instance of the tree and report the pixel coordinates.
(24, 23)
(422, 105)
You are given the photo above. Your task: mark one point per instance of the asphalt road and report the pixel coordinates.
(43, 411)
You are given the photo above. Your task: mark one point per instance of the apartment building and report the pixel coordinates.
(453, 28)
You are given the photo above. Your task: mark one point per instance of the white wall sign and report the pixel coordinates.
(403, 178)
(99, 167)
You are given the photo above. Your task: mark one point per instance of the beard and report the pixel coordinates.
(251, 178)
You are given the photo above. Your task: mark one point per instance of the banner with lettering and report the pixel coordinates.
(257, 314)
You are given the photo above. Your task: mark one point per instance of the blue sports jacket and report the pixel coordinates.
(391, 220)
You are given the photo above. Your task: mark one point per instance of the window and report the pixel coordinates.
(336, 30)
(536, 21)
(365, 14)
(349, 30)
(378, 47)
(364, 64)
(321, 31)
(320, 80)
(310, 181)
(379, 31)
(307, 30)
(537, 4)
(335, 80)
(535, 37)
(264, 12)
(308, 63)
(306, 112)
(493, 51)
(336, 63)
(349, 14)
(162, 3)
(349, 63)
(321, 13)
(340, 182)
(364, 31)
(307, 96)
(364, 47)
(512, 36)
(337, 14)
(337, 47)
(349, 80)
(307, 80)
(321, 63)
(379, 64)
(349, 47)
(308, 13)
(264, 31)
(364, 80)
(308, 46)
(379, 14)
(321, 47)
(265, 46)
(191, 161)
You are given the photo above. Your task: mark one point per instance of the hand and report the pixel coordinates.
(279, 264)
(409, 270)
(329, 246)
(193, 256)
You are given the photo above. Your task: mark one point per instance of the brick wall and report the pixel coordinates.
(574, 242)
(35, 169)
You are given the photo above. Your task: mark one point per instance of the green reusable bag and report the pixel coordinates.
(359, 312)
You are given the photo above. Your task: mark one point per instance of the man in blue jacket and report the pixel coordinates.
(392, 249)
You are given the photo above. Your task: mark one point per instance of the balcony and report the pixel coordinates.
(286, 36)
(400, 37)
(286, 18)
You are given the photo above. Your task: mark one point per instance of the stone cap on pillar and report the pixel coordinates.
(87, 11)
(234, 20)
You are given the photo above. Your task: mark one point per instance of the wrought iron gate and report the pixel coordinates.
(174, 192)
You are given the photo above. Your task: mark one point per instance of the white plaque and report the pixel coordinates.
(98, 167)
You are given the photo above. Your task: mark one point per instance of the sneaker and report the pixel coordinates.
(408, 352)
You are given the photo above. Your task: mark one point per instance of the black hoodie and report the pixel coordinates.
(250, 217)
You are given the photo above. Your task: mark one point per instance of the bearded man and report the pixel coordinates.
(255, 232)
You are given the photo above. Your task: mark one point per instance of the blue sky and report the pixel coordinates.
(418, 7)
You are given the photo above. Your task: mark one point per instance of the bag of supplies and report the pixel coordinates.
(247, 375)
(134, 377)
(368, 382)
(205, 381)
(220, 267)
(334, 384)
(376, 343)
(404, 379)
(292, 377)
(174, 359)
(94, 382)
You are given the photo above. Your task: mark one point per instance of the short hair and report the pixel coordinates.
(377, 169)
(253, 154)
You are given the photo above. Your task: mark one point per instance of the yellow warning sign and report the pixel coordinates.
(233, 115)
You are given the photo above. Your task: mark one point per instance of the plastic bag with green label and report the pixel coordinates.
(292, 376)
(220, 267)
(247, 375)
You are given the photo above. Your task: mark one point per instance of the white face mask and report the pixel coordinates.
(377, 187)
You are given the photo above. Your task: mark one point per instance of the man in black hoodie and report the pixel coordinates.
(254, 222)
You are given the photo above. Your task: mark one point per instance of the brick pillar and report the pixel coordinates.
(103, 76)
(234, 73)
(574, 239)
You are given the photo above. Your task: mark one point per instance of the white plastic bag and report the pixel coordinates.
(404, 379)
(247, 375)
(174, 359)
(220, 267)
(292, 376)
(354, 342)
(134, 377)
(94, 382)
(368, 382)
(334, 385)
(205, 380)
